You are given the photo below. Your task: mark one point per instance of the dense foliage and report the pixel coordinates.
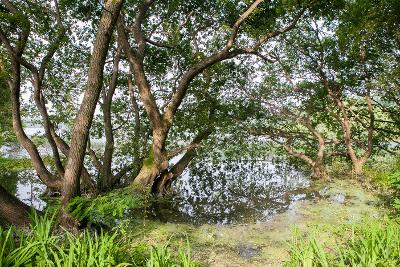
(45, 247)
(124, 95)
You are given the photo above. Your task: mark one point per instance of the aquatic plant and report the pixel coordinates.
(372, 243)
(161, 256)
(40, 247)
(185, 256)
(307, 252)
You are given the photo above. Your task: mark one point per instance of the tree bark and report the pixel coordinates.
(106, 176)
(85, 114)
(163, 182)
(86, 182)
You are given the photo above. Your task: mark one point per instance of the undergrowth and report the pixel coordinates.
(105, 210)
(373, 243)
(42, 246)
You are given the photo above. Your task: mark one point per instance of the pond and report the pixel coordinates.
(227, 192)
(241, 191)
(26, 186)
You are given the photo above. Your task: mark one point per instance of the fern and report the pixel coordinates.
(105, 209)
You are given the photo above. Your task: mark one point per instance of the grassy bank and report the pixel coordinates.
(368, 243)
(45, 245)
(342, 227)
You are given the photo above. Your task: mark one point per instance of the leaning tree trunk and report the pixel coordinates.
(155, 163)
(85, 115)
(163, 182)
(12, 210)
(16, 59)
(50, 180)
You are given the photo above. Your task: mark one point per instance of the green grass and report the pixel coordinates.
(161, 256)
(371, 244)
(42, 246)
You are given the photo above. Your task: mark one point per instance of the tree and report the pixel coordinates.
(291, 117)
(15, 44)
(161, 119)
(334, 88)
(85, 115)
(346, 79)
(5, 106)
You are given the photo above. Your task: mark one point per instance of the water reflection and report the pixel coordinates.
(226, 192)
(234, 192)
(26, 186)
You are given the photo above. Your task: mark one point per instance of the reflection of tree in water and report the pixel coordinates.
(25, 185)
(235, 191)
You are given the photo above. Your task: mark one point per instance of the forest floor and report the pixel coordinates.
(342, 204)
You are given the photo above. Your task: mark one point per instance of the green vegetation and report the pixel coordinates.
(44, 245)
(372, 243)
(12, 164)
(18, 164)
(106, 209)
(113, 101)
(6, 134)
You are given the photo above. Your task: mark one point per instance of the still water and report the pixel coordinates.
(26, 186)
(227, 192)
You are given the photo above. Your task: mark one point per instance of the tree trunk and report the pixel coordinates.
(86, 182)
(40, 104)
(358, 162)
(318, 169)
(147, 175)
(358, 167)
(163, 183)
(319, 172)
(43, 173)
(84, 117)
(106, 176)
(13, 211)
